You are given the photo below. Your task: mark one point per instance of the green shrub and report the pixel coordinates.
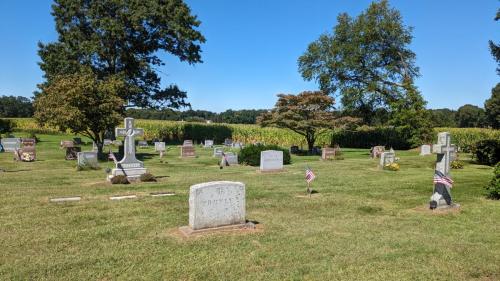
(147, 177)
(366, 137)
(250, 154)
(119, 179)
(6, 126)
(487, 152)
(494, 186)
(457, 164)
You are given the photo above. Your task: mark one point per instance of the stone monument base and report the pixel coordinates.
(445, 206)
(131, 173)
(271, 171)
(188, 231)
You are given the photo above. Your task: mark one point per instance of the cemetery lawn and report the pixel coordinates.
(363, 224)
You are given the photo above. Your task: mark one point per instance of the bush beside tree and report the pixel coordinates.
(250, 154)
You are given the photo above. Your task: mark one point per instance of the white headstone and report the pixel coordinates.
(159, 146)
(271, 160)
(87, 159)
(387, 158)
(425, 149)
(232, 159)
(129, 165)
(218, 151)
(11, 144)
(142, 143)
(214, 204)
(208, 144)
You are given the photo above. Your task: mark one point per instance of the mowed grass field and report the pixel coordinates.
(363, 224)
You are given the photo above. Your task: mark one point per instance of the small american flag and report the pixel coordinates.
(112, 156)
(441, 178)
(310, 176)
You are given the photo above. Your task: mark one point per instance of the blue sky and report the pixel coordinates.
(252, 48)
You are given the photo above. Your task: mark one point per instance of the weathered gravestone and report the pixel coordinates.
(129, 165)
(387, 158)
(271, 161)
(208, 144)
(28, 142)
(87, 159)
(142, 144)
(238, 145)
(228, 142)
(441, 197)
(25, 154)
(159, 146)
(214, 205)
(11, 144)
(377, 151)
(218, 151)
(72, 152)
(231, 158)
(187, 143)
(66, 144)
(425, 149)
(328, 153)
(187, 151)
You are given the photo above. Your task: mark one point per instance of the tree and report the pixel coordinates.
(306, 114)
(119, 39)
(82, 103)
(495, 48)
(492, 108)
(11, 106)
(367, 61)
(470, 116)
(443, 117)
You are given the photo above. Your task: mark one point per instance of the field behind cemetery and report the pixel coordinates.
(363, 224)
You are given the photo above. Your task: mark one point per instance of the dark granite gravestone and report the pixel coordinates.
(294, 149)
(72, 152)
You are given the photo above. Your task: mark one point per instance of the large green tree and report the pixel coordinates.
(495, 48)
(307, 114)
(11, 106)
(367, 61)
(492, 108)
(121, 39)
(470, 116)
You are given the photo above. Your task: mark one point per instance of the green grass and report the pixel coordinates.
(363, 224)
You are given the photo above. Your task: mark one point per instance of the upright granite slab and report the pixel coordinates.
(129, 165)
(11, 144)
(387, 158)
(425, 149)
(271, 161)
(187, 151)
(87, 159)
(214, 205)
(328, 153)
(208, 144)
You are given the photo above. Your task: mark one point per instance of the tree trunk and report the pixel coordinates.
(310, 142)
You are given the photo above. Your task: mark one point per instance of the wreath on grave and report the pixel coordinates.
(392, 167)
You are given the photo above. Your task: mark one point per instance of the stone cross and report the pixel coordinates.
(129, 132)
(444, 150)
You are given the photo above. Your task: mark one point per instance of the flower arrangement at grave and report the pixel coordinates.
(27, 157)
(392, 167)
(457, 164)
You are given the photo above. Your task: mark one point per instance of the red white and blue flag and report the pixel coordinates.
(310, 176)
(441, 178)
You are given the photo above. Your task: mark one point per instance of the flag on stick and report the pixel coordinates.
(441, 178)
(310, 176)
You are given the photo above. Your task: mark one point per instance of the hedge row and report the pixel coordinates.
(363, 137)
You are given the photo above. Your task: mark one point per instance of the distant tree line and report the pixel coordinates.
(11, 106)
(244, 116)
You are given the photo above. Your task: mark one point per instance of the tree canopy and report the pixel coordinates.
(11, 106)
(122, 37)
(492, 108)
(306, 114)
(470, 116)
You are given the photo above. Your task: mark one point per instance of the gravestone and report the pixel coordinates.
(159, 146)
(187, 151)
(142, 144)
(187, 143)
(78, 141)
(216, 204)
(208, 144)
(441, 197)
(328, 153)
(228, 142)
(425, 149)
(232, 159)
(28, 142)
(72, 152)
(387, 158)
(129, 165)
(377, 151)
(67, 144)
(87, 159)
(271, 160)
(218, 151)
(25, 154)
(11, 144)
(294, 149)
